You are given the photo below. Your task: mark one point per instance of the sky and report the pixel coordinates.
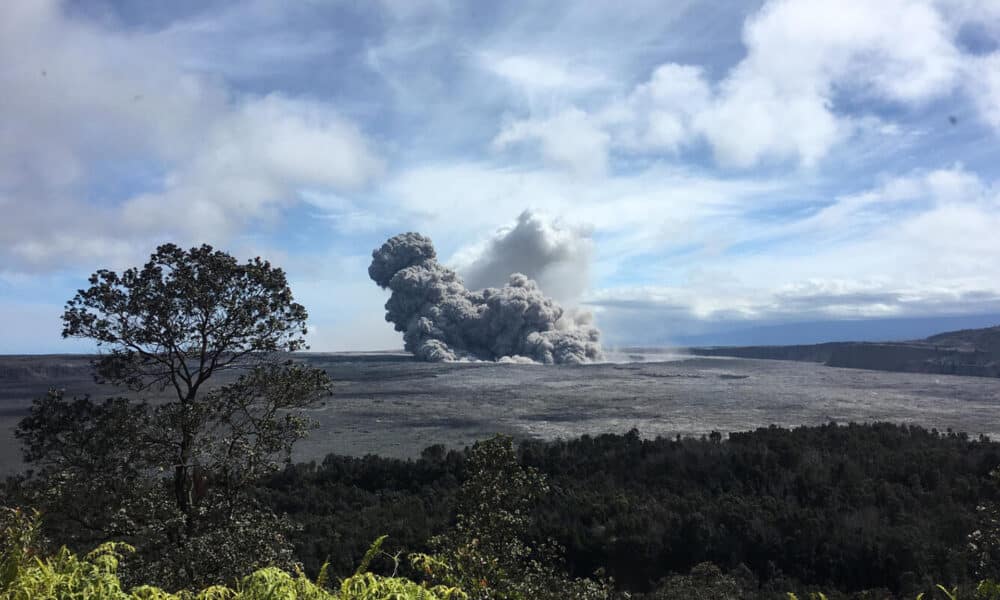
(689, 172)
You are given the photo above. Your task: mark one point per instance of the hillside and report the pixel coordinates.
(974, 352)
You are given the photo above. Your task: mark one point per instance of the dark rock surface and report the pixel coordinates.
(391, 405)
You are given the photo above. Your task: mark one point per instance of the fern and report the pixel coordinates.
(322, 577)
(94, 577)
(988, 590)
(370, 555)
(64, 575)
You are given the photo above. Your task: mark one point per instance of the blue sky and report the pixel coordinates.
(690, 170)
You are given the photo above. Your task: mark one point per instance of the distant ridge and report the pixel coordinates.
(974, 352)
(986, 339)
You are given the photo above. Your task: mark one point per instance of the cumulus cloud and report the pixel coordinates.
(779, 102)
(784, 100)
(107, 142)
(659, 114)
(253, 160)
(442, 320)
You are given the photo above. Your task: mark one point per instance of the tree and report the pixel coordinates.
(486, 554)
(180, 319)
(176, 473)
(984, 542)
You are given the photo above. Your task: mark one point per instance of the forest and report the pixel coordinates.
(879, 507)
(853, 511)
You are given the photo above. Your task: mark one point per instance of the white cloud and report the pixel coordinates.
(785, 100)
(345, 215)
(542, 74)
(253, 160)
(641, 212)
(659, 114)
(860, 215)
(980, 12)
(106, 143)
(254, 38)
(571, 139)
(754, 123)
(913, 246)
(75, 93)
(983, 81)
(779, 102)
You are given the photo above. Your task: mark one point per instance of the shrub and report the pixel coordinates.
(64, 575)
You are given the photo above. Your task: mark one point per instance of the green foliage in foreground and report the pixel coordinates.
(25, 576)
(65, 575)
(486, 552)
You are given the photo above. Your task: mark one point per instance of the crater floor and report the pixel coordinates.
(390, 405)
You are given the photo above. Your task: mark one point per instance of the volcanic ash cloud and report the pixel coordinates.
(441, 320)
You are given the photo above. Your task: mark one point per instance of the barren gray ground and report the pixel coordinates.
(388, 405)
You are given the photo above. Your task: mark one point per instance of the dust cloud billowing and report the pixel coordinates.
(557, 257)
(442, 320)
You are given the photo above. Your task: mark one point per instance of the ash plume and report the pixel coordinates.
(555, 255)
(442, 320)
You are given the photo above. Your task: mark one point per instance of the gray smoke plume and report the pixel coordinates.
(556, 256)
(441, 320)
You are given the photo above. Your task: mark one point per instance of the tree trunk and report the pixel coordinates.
(183, 471)
(183, 486)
